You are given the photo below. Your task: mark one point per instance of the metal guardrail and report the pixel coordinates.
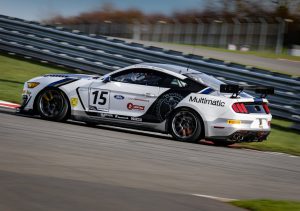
(101, 55)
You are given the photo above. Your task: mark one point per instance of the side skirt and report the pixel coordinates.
(154, 127)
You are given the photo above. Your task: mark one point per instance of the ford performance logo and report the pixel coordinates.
(119, 97)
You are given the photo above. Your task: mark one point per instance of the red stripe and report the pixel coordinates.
(10, 105)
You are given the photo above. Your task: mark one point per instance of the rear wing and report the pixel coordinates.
(237, 89)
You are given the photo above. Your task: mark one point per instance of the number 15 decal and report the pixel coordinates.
(99, 100)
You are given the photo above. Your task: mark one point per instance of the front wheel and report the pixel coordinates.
(52, 105)
(185, 125)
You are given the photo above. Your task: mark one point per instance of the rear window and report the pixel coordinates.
(205, 79)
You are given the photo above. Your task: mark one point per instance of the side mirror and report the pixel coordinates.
(106, 79)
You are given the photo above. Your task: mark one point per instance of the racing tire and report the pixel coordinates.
(52, 104)
(186, 125)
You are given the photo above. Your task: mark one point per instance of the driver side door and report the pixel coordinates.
(129, 93)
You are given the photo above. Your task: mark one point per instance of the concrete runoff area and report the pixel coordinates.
(281, 65)
(48, 165)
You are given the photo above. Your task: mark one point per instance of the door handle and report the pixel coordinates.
(150, 95)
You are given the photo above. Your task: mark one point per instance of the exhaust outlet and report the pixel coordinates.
(237, 137)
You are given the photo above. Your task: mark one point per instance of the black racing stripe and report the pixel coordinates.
(161, 107)
(25, 104)
(66, 82)
(80, 100)
(164, 104)
(62, 82)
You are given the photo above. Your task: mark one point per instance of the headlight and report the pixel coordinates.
(31, 85)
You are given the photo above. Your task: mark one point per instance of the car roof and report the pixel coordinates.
(174, 68)
(170, 69)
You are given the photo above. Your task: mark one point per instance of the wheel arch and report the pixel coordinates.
(46, 88)
(188, 108)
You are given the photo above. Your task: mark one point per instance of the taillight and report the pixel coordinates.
(266, 107)
(239, 108)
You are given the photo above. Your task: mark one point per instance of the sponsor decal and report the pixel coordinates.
(136, 119)
(203, 100)
(131, 106)
(116, 116)
(139, 99)
(119, 97)
(107, 115)
(74, 101)
(121, 117)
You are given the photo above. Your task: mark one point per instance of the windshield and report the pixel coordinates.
(206, 80)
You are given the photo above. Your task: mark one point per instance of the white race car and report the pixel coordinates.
(185, 103)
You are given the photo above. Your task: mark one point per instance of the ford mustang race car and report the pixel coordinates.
(171, 99)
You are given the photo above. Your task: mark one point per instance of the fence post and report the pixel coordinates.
(280, 35)
(223, 34)
(188, 31)
(166, 32)
(250, 30)
(136, 30)
(236, 32)
(200, 31)
(263, 33)
(211, 33)
(176, 33)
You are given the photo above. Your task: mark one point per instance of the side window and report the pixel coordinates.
(139, 76)
(149, 78)
(124, 77)
(172, 82)
(178, 83)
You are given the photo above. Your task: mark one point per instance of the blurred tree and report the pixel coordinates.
(283, 8)
(212, 9)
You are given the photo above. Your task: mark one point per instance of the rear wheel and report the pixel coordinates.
(53, 105)
(185, 125)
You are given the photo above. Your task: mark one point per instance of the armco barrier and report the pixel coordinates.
(100, 55)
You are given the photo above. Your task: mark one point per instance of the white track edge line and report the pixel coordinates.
(222, 199)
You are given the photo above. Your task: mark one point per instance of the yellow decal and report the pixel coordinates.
(74, 102)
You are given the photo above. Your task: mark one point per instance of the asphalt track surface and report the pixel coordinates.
(69, 166)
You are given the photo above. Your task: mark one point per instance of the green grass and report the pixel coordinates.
(13, 74)
(281, 139)
(267, 205)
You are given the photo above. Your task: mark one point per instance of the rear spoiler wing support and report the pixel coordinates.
(237, 89)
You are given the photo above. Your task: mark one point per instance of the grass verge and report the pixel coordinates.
(14, 72)
(267, 205)
(281, 139)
